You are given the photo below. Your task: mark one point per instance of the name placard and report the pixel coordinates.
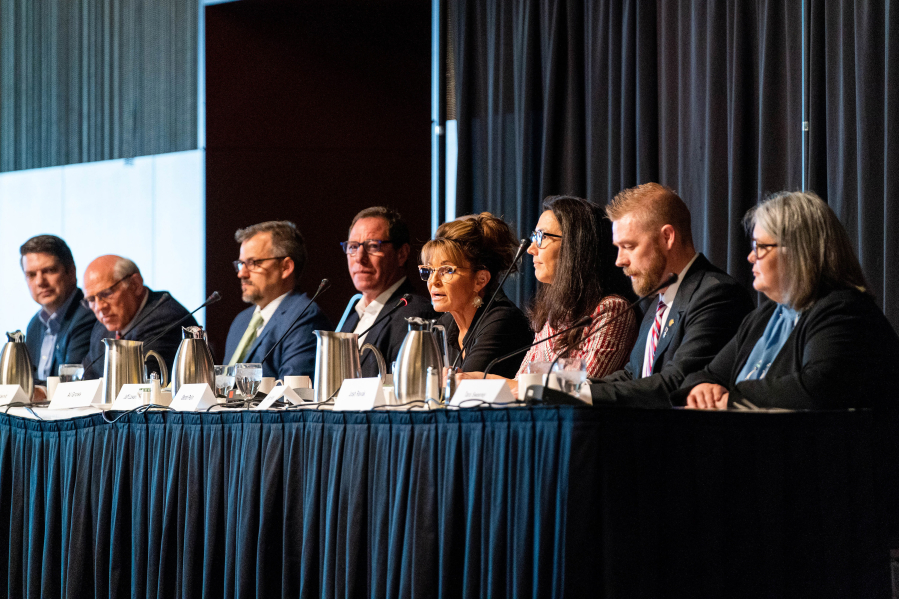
(131, 396)
(77, 394)
(277, 392)
(472, 392)
(360, 394)
(193, 397)
(12, 393)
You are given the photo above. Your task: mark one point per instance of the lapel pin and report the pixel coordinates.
(670, 322)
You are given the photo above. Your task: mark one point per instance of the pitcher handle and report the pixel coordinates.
(162, 367)
(382, 365)
(442, 328)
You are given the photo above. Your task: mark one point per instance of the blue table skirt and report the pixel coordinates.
(482, 503)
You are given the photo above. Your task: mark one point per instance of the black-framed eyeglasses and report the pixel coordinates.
(104, 295)
(253, 264)
(761, 249)
(371, 246)
(538, 236)
(445, 273)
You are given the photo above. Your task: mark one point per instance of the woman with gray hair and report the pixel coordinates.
(821, 342)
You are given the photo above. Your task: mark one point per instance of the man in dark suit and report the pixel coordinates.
(272, 257)
(60, 332)
(690, 321)
(126, 309)
(377, 251)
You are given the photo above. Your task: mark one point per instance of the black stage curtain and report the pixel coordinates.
(570, 96)
(480, 503)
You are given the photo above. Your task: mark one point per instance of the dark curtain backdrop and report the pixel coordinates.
(590, 97)
(88, 80)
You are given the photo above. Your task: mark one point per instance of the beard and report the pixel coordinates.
(251, 295)
(644, 281)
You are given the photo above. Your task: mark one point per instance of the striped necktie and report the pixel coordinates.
(248, 337)
(650, 356)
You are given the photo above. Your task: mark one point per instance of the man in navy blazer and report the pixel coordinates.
(690, 321)
(377, 251)
(126, 309)
(60, 332)
(272, 257)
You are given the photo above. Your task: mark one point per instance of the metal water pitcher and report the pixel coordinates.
(418, 352)
(15, 365)
(124, 365)
(338, 357)
(193, 362)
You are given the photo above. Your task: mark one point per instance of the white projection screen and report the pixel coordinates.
(149, 209)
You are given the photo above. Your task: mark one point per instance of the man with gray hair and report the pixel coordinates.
(272, 257)
(126, 309)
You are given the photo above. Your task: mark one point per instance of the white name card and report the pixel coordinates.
(12, 393)
(360, 394)
(190, 398)
(279, 391)
(78, 394)
(131, 396)
(471, 392)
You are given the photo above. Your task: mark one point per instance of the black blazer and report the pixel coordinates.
(843, 353)
(505, 329)
(73, 340)
(165, 311)
(708, 309)
(388, 334)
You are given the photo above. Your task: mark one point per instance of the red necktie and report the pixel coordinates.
(650, 357)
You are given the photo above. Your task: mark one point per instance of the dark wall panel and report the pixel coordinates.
(313, 113)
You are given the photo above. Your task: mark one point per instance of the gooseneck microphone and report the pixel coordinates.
(669, 280)
(585, 321)
(209, 300)
(404, 301)
(472, 335)
(322, 287)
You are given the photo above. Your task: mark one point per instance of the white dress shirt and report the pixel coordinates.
(368, 314)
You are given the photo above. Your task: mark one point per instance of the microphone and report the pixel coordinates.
(209, 300)
(585, 321)
(473, 334)
(404, 301)
(549, 394)
(165, 296)
(322, 287)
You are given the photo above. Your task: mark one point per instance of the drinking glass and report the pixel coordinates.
(571, 373)
(248, 377)
(537, 368)
(224, 380)
(69, 373)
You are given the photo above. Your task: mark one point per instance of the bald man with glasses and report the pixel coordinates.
(272, 257)
(127, 309)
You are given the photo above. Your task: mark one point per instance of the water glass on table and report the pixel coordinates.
(248, 377)
(70, 373)
(224, 380)
(571, 374)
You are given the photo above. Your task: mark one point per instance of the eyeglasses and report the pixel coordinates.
(761, 249)
(104, 295)
(444, 273)
(371, 246)
(538, 236)
(253, 264)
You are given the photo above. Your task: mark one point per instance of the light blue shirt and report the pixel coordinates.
(779, 327)
(52, 324)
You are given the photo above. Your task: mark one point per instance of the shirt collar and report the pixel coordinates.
(671, 292)
(270, 308)
(378, 303)
(131, 324)
(54, 321)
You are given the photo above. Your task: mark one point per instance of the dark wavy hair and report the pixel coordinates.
(585, 272)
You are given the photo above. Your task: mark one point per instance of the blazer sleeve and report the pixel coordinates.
(714, 315)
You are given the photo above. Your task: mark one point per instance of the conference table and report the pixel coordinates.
(480, 502)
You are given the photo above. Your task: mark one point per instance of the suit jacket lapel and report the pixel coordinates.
(374, 336)
(270, 326)
(640, 347)
(681, 300)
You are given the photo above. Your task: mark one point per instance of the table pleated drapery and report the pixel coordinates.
(515, 502)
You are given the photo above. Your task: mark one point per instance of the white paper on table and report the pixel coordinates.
(471, 392)
(360, 394)
(193, 397)
(77, 394)
(131, 396)
(277, 392)
(12, 394)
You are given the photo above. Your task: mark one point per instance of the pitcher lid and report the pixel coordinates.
(16, 337)
(194, 332)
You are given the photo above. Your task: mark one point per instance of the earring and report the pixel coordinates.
(477, 302)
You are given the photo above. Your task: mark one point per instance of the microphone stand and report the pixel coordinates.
(583, 322)
(554, 397)
(322, 287)
(404, 301)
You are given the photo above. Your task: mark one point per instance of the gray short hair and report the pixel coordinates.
(286, 241)
(816, 252)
